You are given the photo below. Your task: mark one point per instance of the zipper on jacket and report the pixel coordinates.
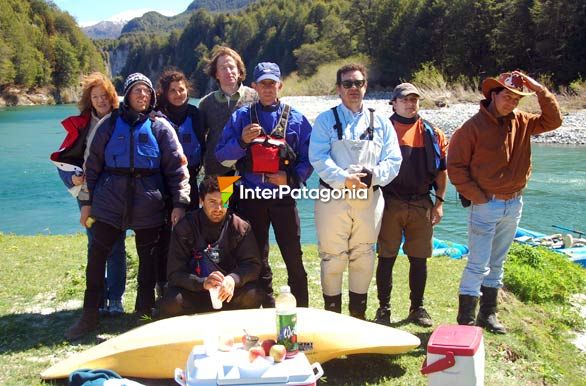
(131, 150)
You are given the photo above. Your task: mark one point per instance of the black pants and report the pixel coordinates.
(282, 215)
(104, 238)
(179, 301)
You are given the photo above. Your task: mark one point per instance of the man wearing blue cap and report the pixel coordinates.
(268, 142)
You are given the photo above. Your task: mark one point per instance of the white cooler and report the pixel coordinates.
(455, 356)
(233, 368)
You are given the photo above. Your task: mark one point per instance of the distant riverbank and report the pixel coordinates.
(449, 118)
(572, 132)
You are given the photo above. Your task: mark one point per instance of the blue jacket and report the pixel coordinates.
(134, 160)
(229, 149)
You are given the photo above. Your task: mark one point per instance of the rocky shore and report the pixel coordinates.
(572, 132)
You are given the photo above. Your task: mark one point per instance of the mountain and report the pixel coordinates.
(42, 46)
(155, 22)
(104, 30)
(218, 6)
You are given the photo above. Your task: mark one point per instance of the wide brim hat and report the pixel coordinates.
(132, 80)
(512, 82)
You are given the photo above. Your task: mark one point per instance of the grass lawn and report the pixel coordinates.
(42, 283)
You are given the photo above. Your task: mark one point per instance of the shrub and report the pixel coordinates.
(429, 77)
(540, 275)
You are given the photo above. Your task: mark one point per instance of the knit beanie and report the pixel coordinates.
(135, 78)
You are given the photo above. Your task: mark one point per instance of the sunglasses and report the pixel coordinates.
(359, 83)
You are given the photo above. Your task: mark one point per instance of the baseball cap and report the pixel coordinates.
(267, 70)
(404, 89)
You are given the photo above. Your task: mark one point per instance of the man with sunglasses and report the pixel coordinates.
(268, 142)
(489, 163)
(409, 211)
(351, 148)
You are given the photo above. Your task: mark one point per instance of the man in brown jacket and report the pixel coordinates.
(489, 163)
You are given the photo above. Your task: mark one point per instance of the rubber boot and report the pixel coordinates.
(87, 323)
(384, 287)
(487, 313)
(145, 301)
(333, 303)
(357, 305)
(467, 310)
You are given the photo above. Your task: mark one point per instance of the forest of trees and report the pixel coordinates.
(42, 46)
(461, 38)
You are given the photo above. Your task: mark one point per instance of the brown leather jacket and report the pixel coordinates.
(489, 156)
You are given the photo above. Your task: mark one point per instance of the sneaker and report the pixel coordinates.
(420, 317)
(115, 308)
(383, 316)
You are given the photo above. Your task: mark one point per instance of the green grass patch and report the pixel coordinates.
(43, 281)
(539, 275)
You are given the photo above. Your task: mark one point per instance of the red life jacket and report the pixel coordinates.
(267, 153)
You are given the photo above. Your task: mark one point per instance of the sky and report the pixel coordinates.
(87, 13)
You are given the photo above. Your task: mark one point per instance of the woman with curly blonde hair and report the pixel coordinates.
(98, 100)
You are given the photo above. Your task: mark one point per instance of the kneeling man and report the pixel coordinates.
(211, 248)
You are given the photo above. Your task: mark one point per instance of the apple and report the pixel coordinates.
(267, 344)
(255, 352)
(278, 352)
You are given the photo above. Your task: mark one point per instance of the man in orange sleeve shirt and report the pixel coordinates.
(409, 208)
(489, 163)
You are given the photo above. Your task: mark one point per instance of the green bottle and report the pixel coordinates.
(286, 307)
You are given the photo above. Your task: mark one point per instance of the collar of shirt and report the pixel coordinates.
(222, 97)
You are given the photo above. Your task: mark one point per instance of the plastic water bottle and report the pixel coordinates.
(286, 307)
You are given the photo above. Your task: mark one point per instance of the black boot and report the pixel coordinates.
(384, 286)
(467, 310)
(145, 301)
(333, 303)
(487, 313)
(357, 305)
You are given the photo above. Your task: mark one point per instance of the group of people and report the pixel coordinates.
(136, 167)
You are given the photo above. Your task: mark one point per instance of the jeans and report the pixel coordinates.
(491, 230)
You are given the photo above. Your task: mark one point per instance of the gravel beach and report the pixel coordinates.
(572, 132)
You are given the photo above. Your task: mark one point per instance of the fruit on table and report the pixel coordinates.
(267, 344)
(278, 352)
(249, 341)
(255, 352)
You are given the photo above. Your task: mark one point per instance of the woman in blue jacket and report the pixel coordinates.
(135, 160)
(98, 99)
(173, 102)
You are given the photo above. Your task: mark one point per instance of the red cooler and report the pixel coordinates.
(455, 356)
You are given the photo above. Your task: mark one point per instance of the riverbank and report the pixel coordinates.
(448, 118)
(19, 96)
(35, 312)
(572, 132)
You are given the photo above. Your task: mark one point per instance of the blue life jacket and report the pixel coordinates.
(190, 142)
(132, 148)
(433, 153)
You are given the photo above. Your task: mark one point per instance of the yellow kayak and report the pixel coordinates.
(156, 349)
